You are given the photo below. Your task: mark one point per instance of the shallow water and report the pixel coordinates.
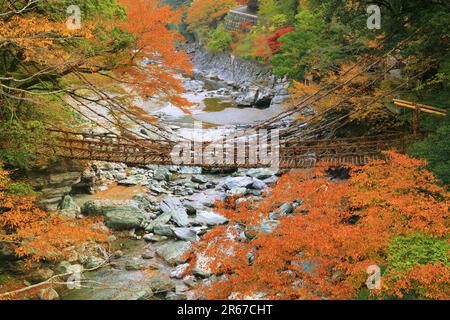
(238, 116)
(117, 283)
(211, 106)
(216, 105)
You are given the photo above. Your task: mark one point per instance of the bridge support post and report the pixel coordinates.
(416, 121)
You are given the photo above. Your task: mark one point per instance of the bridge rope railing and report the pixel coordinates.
(324, 92)
(305, 128)
(299, 154)
(154, 127)
(340, 121)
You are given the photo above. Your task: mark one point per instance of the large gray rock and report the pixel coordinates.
(180, 217)
(199, 179)
(125, 218)
(237, 182)
(210, 218)
(119, 215)
(258, 185)
(174, 252)
(68, 208)
(55, 181)
(162, 174)
(186, 234)
(260, 173)
(176, 209)
(164, 230)
(161, 220)
(170, 204)
(69, 204)
(250, 96)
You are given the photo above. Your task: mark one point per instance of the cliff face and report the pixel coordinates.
(256, 83)
(60, 179)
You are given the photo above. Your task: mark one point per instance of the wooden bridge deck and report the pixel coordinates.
(297, 154)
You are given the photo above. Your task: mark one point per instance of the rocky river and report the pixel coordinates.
(157, 213)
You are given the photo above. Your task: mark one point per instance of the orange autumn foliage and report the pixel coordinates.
(39, 39)
(322, 250)
(431, 281)
(363, 95)
(262, 49)
(37, 235)
(155, 44)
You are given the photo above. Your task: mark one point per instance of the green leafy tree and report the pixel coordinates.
(220, 40)
(314, 45)
(436, 149)
(406, 252)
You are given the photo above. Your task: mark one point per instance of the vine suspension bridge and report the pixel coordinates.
(300, 144)
(292, 152)
(306, 154)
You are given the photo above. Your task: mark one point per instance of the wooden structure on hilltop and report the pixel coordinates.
(242, 17)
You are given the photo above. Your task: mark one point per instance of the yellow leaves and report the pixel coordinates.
(39, 39)
(36, 31)
(300, 89)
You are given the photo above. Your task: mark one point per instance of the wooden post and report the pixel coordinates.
(416, 121)
(417, 108)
